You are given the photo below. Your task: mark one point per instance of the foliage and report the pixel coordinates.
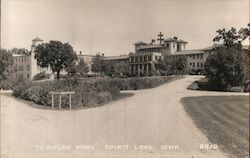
(173, 65)
(89, 93)
(6, 62)
(71, 69)
(245, 32)
(97, 65)
(225, 67)
(40, 76)
(82, 68)
(136, 83)
(56, 55)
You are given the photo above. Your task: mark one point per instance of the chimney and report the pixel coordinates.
(175, 37)
(80, 52)
(152, 41)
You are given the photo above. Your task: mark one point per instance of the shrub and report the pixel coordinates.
(41, 76)
(87, 92)
(225, 68)
(237, 89)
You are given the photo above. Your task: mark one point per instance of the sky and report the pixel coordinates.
(113, 26)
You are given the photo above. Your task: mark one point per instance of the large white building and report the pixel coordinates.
(144, 61)
(25, 64)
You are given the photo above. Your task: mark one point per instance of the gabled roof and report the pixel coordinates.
(151, 46)
(181, 41)
(140, 42)
(37, 39)
(175, 40)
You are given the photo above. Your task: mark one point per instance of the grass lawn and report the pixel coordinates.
(224, 120)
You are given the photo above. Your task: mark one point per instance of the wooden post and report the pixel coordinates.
(70, 101)
(52, 97)
(60, 101)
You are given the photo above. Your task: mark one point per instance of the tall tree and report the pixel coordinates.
(82, 67)
(56, 55)
(5, 62)
(225, 68)
(97, 65)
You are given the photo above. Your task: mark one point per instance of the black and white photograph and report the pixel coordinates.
(124, 78)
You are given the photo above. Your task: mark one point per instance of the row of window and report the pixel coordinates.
(196, 56)
(140, 66)
(149, 50)
(198, 65)
(21, 67)
(21, 59)
(22, 75)
(143, 58)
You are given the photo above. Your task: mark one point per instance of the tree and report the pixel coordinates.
(5, 62)
(225, 68)
(97, 65)
(173, 64)
(56, 55)
(71, 69)
(82, 67)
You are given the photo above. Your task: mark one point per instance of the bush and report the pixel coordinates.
(41, 76)
(225, 68)
(87, 92)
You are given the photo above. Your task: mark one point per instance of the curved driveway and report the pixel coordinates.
(151, 117)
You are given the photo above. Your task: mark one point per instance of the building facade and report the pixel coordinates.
(88, 59)
(116, 65)
(25, 65)
(144, 61)
(144, 64)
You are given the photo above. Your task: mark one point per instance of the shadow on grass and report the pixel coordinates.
(223, 119)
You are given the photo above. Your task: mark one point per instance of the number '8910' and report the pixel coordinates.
(209, 146)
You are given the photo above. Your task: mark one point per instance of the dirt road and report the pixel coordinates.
(152, 123)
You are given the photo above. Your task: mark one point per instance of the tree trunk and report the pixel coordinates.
(58, 75)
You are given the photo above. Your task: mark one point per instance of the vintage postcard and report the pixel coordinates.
(124, 78)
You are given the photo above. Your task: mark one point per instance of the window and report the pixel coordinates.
(193, 56)
(201, 65)
(132, 59)
(193, 64)
(20, 67)
(201, 56)
(140, 58)
(28, 76)
(149, 58)
(198, 56)
(149, 66)
(28, 67)
(145, 58)
(136, 67)
(156, 57)
(140, 66)
(198, 64)
(190, 64)
(136, 59)
(145, 66)
(178, 47)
